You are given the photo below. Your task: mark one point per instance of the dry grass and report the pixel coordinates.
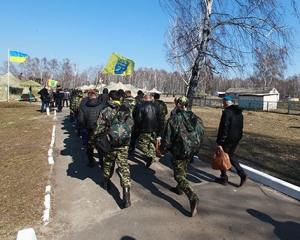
(270, 144)
(25, 139)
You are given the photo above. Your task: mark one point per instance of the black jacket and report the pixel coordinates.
(44, 94)
(148, 118)
(59, 93)
(88, 114)
(104, 96)
(231, 126)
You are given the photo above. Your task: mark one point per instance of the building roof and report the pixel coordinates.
(251, 90)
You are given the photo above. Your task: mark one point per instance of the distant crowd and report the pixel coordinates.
(114, 122)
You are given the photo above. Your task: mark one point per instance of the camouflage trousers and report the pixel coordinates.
(118, 155)
(147, 143)
(163, 124)
(180, 171)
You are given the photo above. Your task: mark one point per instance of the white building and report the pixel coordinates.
(255, 98)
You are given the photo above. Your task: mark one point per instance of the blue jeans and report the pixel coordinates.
(43, 105)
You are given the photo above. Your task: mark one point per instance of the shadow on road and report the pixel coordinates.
(283, 230)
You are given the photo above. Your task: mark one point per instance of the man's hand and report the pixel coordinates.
(219, 147)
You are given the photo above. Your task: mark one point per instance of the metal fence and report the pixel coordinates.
(268, 106)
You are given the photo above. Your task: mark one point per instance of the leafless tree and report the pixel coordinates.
(226, 32)
(53, 67)
(270, 64)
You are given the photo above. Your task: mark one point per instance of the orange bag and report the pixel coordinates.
(220, 160)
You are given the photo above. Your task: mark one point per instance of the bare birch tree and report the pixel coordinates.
(226, 32)
(270, 64)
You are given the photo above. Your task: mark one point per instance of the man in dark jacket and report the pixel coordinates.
(59, 94)
(229, 135)
(149, 124)
(87, 116)
(45, 99)
(104, 96)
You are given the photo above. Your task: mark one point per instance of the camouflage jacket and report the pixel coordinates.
(119, 131)
(183, 135)
(75, 102)
(139, 99)
(129, 102)
(163, 107)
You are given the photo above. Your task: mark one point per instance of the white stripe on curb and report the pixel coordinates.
(272, 182)
(26, 234)
(47, 206)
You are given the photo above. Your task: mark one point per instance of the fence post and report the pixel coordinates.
(289, 106)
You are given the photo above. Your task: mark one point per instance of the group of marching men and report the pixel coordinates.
(145, 115)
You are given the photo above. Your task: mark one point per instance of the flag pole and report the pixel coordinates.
(8, 76)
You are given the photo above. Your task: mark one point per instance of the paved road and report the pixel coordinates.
(82, 210)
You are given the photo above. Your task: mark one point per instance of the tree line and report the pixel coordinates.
(69, 77)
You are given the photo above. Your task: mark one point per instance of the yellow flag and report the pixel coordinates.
(119, 65)
(52, 83)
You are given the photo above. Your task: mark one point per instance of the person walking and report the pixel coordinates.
(87, 116)
(59, 94)
(129, 102)
(149, 124)
(182, 137)
(230, 133)
(111, 116)
(74, 107)
(45, 99)
(174, 111)
(139, 97)
(104, 96)
(163, 109)
(66, 98)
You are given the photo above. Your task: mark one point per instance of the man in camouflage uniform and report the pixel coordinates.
(163, 109)
(139, 98)
(129, 101)
(174, 111)
(119, 153)
(148, 122)
(182, 137)
(74, 107)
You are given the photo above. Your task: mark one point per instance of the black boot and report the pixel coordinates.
(244, 176)
(105, 184)
(194, 205)
(91, 163)
(90, 152)
(126, 197)
(149, 162)
(177, 190)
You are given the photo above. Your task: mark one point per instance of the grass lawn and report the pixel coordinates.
(24, 169)
(270, 144)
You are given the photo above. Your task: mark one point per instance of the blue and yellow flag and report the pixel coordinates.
(119, 65)
(17, 56)
(52, 83)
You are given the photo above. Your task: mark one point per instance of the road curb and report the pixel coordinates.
(272, 182)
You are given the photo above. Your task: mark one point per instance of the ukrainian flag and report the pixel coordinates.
(17, 56)
(52, 83)
(119, 65)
